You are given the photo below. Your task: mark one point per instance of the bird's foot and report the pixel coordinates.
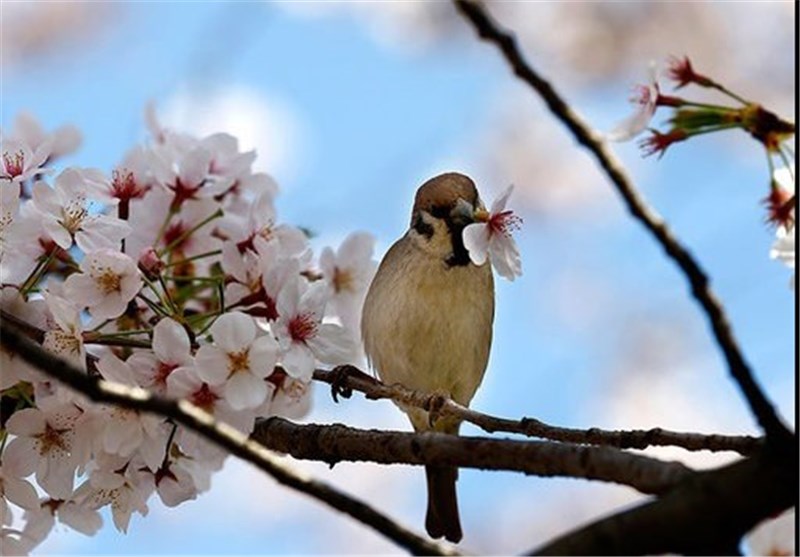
(434, 406)
(340, 385)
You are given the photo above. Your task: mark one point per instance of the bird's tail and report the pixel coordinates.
(442, 517)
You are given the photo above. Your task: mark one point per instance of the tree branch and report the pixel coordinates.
(336, 442)
(229, 438)
(706, 515)
(760, 406)
(345, 379)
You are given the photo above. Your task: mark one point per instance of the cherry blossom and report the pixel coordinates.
(118, 483)
(258, 225)
(20, 162)
(64, 336)
(9, 208)
(17, 491)
(303, 337)
(50, 443)
(186, 174)
(183, 232)
(31, 311)
(171, 350)
(225, 280)
(107, 282)
(185, 383)
(348, 273)
(491, 238)
(238, 358)
(122, 431)
(784, 249)
(68, 214)
(40, 521)
(645, 98)
(62, 141)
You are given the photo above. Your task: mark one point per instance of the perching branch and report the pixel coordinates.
(760, 406)
(229, 438)
(345, 379)
(335, 443)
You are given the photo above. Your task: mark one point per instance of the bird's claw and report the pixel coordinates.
(340, 383)
(434, 407)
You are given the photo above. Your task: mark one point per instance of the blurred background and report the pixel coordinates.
(351, 106)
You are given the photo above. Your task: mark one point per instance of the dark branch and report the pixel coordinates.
(706, 515)
(223, 435)
(336, 443)
(760, 406)
(347, 378)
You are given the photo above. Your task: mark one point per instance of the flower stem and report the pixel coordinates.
(194, 258)
(38, 271)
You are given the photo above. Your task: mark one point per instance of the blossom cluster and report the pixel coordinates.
(170, 273)
(692, 119)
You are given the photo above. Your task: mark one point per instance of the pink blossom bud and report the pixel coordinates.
(150, 263)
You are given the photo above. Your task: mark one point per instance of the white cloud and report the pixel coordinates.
(269, 125)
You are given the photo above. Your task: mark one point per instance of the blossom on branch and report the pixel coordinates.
(239, 359)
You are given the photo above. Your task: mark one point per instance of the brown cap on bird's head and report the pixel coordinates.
(444, 191)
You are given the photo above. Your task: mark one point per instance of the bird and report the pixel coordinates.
(427, 322)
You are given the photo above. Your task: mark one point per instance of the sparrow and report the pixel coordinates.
(427, 322)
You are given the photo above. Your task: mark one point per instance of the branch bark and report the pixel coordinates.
(760, 406)
(335, 443)
(706, 515)
(345, 379)
(232, 440)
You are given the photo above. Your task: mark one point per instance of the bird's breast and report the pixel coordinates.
(427, 325)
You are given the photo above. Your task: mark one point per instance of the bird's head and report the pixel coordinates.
(443, 206)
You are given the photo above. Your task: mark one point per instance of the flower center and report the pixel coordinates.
(504, 223)
(124, 186)
(52, 441)
(14, 163)
(162, 372)
(204, 398)
(108, 281)
(238, 361)
(266, 231)
(63, 342)
(74, 213)
(303, 327)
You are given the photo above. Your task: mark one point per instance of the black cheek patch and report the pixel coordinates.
(422, 227)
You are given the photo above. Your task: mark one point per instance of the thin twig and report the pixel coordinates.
(335, 443)
(223, 435)
(347, 378)
(760, 406)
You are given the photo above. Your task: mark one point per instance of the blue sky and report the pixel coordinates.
(371, 124)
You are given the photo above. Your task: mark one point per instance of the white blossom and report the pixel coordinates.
(238, 358)
(68, 214)
(171, 350)
(20, 161)
(303, 337)
(348, 273)
(644, 97)
(107, 282)
(51, 444)
(492, 238)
